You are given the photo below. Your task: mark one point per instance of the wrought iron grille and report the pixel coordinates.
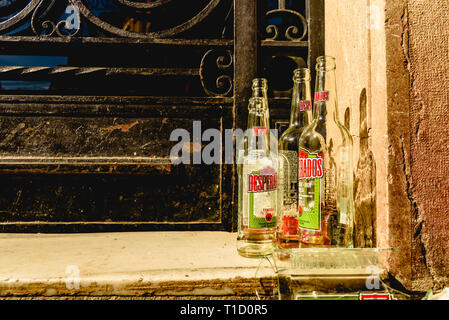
(91, 89)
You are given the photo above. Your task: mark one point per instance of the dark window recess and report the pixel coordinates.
(90, 91)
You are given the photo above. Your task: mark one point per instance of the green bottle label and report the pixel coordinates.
(310, 178)
(262, 187)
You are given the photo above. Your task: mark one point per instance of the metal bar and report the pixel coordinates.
(119, 226)
(83, 160)
(315, 16)
(281, 4)
(23, 40)
(39, 72)
(122, 100)
(114, 110)
(245, 69)
(281, 44)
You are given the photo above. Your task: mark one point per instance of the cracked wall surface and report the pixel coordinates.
(429, 129)
(417, 38)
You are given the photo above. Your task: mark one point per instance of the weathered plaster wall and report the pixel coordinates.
(377, 128)
(398, 91)
(355, 36)
(417, 45)
(399, 52)
(428, 64)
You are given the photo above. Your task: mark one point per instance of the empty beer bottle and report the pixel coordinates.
(325, 168)
(257, 173)
(300, 118)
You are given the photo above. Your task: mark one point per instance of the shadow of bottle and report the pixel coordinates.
(365, 186)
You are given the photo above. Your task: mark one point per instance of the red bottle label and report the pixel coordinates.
(262, 181)
(305, 105)
(310, 168)
(260, 131)
(368, 296)
(321, 96)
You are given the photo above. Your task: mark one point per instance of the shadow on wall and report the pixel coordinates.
(365, 186)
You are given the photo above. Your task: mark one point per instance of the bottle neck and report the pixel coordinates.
(326, 94)
(258, 125)
(320, 112)
(320, 115)
(260, 92)
(301, 109)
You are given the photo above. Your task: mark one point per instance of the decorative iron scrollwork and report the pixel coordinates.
(69, 26)
(47, 18)
(290, 32)
(216, 72)
(144, 5)
(16, 13)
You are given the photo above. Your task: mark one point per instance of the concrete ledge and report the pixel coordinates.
(138, 264)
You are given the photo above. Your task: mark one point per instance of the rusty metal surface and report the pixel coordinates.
(114, 199)
(39, 72)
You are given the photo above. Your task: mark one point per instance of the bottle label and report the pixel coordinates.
(310, 177)
(321, 96)
(305, 105)
(262, 199)
(260, 131)
(288, 182)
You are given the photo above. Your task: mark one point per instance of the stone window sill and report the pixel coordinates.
(158, 265)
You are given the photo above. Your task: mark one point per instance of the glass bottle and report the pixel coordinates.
(300, 118)
(326, 172)
(257, 174)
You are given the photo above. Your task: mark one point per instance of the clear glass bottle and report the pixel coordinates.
(300, 118)
(326, 173)
(257, 175)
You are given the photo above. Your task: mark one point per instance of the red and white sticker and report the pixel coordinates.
(375, 296)
(260, 131)
(321, 96)
(305, 105)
